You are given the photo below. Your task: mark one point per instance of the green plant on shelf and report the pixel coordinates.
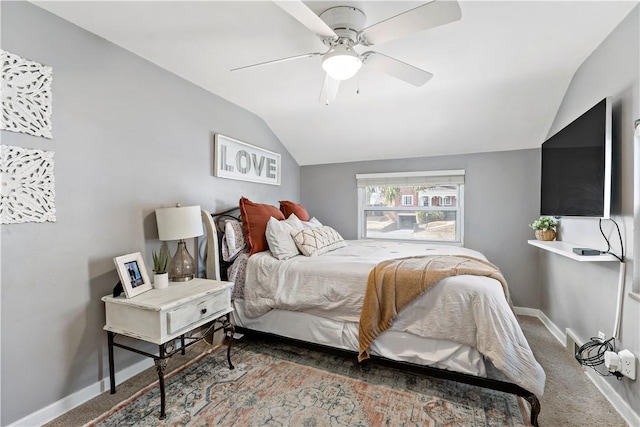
(160, 262)
(544, 223)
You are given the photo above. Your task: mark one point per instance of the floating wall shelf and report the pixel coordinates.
(566, 249)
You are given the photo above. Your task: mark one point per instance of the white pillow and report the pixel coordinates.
(279, 238)
(317, 240)
(313, 222)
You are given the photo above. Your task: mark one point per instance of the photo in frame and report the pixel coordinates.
(133, 274)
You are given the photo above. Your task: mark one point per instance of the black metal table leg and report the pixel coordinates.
(112, 374)
(161, 364)
(229, 330)
(183, 352)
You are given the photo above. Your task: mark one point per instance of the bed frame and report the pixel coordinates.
(216, 269)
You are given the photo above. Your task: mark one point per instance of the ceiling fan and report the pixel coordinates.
(342, 28)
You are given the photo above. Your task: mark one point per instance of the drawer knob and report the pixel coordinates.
(203, 311)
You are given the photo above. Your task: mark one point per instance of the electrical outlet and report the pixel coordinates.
(601, 336)
(627, 364)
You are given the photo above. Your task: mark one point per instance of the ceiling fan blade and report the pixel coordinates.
(329, 90)
(306, 17)
(395, 68)
(429, 15)
(275, 61)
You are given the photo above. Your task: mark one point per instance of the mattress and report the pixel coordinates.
(439, 353)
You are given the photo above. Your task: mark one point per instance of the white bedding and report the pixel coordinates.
(394, 345)
(470, 310)
(330, 285)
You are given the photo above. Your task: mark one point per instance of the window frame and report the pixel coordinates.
(409, 197)
(407, 179)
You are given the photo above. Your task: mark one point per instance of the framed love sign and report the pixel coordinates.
(235, 159)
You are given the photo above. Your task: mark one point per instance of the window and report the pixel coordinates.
(386, 206)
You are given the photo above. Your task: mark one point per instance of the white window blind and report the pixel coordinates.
(410, 179)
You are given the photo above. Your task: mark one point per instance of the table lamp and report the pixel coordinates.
(180, 223)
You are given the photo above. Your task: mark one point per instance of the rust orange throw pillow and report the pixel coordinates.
(254, 223)
(289, 208)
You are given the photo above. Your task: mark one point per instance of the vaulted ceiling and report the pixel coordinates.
(500, 72)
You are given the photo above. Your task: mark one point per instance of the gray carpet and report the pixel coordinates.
(570, 398)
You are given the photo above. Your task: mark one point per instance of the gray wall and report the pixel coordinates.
(582, 296)
(128, 137)
(501, 196)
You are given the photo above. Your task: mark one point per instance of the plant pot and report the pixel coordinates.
(160, 281)
(546, 235)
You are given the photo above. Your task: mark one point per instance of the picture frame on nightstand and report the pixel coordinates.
(133, 274)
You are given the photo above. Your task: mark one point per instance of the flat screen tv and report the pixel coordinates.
(576, 166)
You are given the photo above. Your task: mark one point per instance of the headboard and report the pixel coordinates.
(215, 266)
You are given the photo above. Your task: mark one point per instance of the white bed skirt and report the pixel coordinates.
(439, 353)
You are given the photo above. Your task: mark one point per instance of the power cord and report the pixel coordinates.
(591, 354)
(608, 251)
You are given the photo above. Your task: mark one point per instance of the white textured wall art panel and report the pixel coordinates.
(27, 185)
(26, 95)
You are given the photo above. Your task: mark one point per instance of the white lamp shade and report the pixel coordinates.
(341, 63)
(179, 223)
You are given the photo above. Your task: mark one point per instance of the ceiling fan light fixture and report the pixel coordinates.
(341, 63)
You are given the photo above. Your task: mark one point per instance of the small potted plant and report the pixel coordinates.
(545, 228)
(160, 275)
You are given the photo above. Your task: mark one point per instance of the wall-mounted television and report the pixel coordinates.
(576, 166)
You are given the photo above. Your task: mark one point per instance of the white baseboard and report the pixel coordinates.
(525, 311)
(67, 403)
(612, 396)
(603, 386)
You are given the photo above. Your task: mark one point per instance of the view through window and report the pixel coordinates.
(425, 206)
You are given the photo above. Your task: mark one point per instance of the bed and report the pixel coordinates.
(463, 328)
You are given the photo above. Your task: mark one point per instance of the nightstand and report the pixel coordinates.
(162, 316)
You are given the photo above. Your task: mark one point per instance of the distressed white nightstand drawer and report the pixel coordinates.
(160, 315)
(186, 315)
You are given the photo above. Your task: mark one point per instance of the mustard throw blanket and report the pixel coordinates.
(395, 283)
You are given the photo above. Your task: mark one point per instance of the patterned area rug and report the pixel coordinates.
(278, 384)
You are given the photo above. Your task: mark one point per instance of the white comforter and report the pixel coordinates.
(471, 310)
